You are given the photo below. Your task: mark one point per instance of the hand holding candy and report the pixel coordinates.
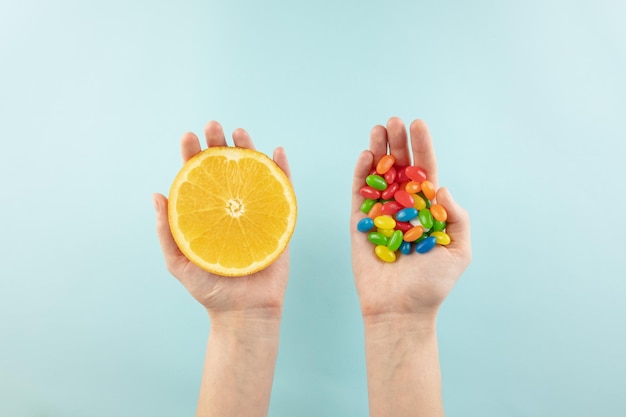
(390, 277)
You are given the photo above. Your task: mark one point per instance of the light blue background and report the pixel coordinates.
(526, 103)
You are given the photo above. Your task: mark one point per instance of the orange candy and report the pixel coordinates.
(385, 164)
(428, 189)
(413, 233)
(439, 212)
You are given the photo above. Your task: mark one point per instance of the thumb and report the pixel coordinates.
(361, 170)
(171, 253)
(458, 224)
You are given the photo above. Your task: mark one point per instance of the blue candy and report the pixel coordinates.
(405, 248)
(426, 245)
(365, 225)
(406, 214)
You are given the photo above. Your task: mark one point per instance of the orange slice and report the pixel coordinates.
(232, 210)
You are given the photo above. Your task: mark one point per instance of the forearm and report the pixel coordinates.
(239, 367)
(403, 373)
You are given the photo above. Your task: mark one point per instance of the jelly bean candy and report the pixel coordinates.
(413, 233)
(376, 181)
(401, 175)
(417, 174)
(415, 222)
(426, 245)
(365, 225)
(404, 226)
(424, 236)
(428, 189)
(404, 198)
(389, 191)
(385, 232)
(401, 212)
(426, 200)
(439, 226)
(391, 207)
(385, 222)
(395, 240)
(426, 218)
(405, 248)
(390, 176)
(385, 164)
(377, 238)
(369, 192)
(420, 203)
(413, 187)
(439, 212)
(375, 211)
(442, 238)
(367, 205)
(406, 214)
(384, 253)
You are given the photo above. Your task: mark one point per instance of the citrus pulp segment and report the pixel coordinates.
(232, 210)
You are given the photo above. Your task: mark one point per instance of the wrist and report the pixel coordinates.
(395, 325)
(249, 324)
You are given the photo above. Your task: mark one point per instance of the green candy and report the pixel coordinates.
(395, 240)
(426, 218)
(367, 205)
(377, 238)
(376, 182)
(439, 226)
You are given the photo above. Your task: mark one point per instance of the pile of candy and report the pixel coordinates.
(399, 205)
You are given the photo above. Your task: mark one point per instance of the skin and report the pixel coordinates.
(245, 312)
(400, 301)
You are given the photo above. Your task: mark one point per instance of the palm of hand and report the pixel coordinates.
(259, 294)
(415, 283)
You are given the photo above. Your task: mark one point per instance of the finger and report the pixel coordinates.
(189, 146)
(361, 170)
(214, 134)
(378, 142)
(398, 141)
(173, 256)
(458, 224)
(242, 139)
(423, 149)
(280, 157)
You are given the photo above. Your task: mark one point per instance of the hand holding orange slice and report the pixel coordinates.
(232, 211)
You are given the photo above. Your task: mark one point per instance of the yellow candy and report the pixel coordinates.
(420, 203)
(442, 238)
(384, 253)
(385, 222)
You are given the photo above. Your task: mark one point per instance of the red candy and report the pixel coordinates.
(404, 226)
(389, 191)
(391, 207)
(404, 198)
(417, 174)
(368, 192)
(390, 176)
(401, 193)
(401, 175)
